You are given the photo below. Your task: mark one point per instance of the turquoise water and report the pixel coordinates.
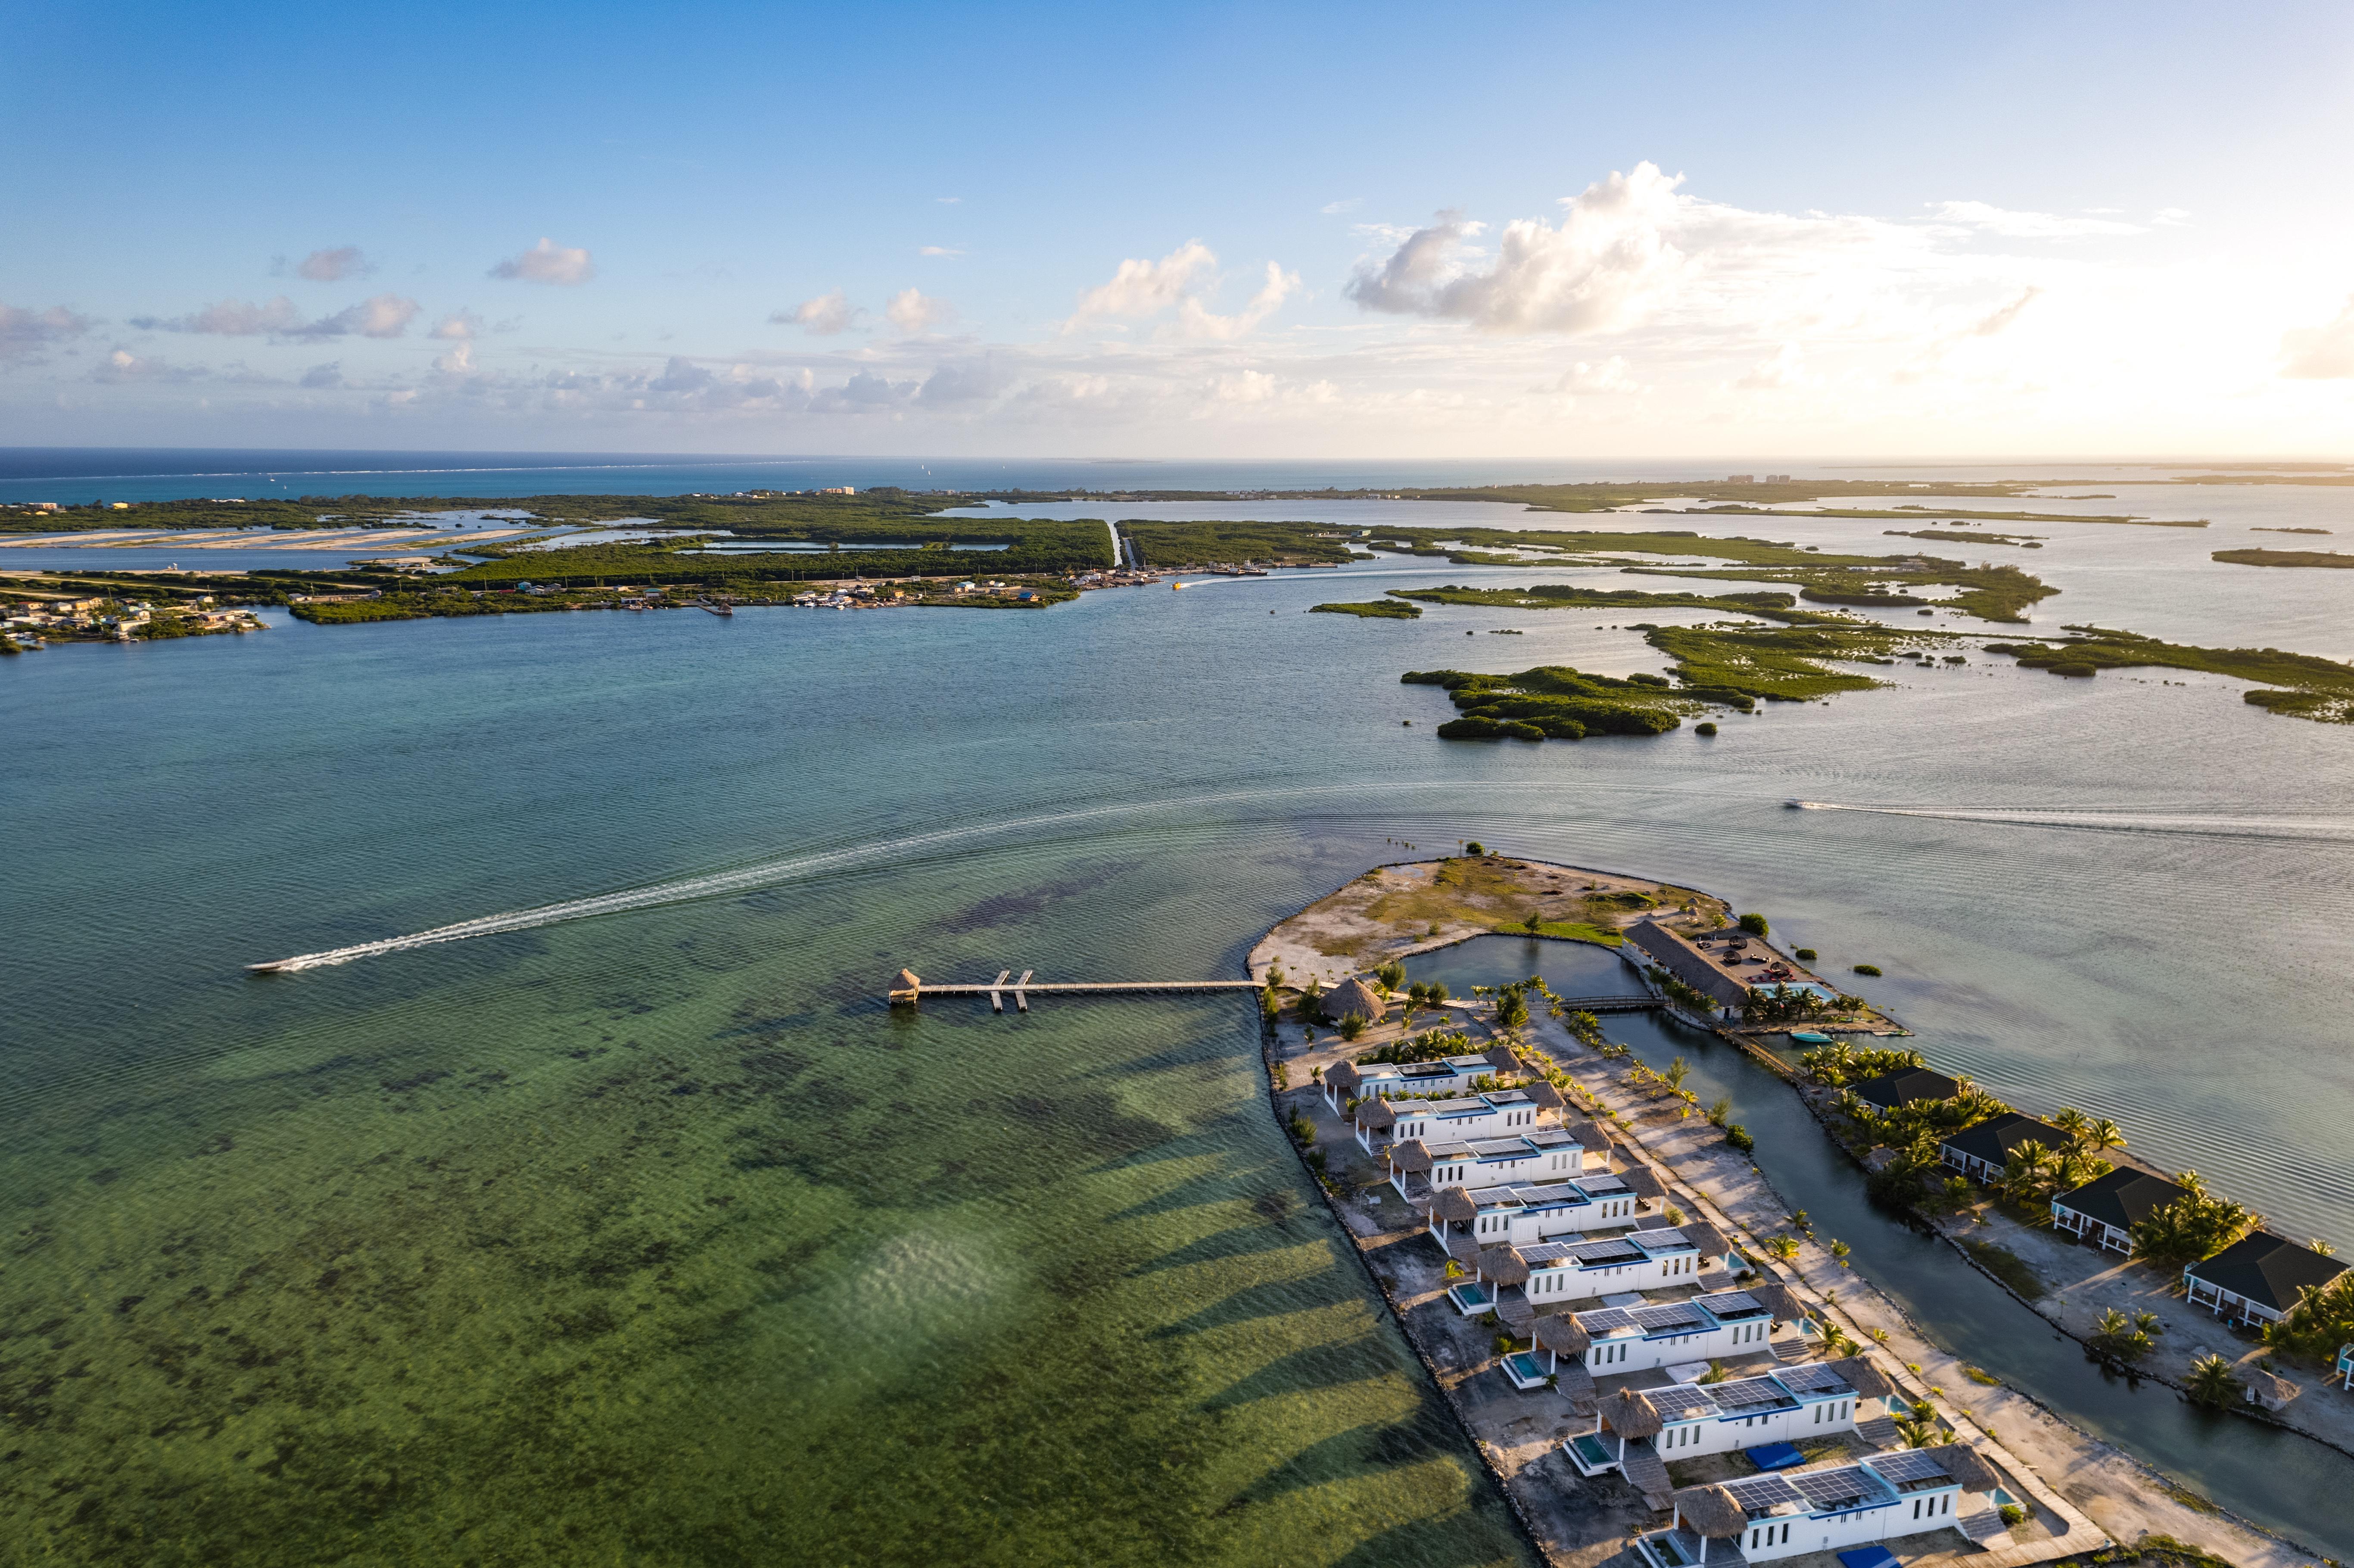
(654, 1236)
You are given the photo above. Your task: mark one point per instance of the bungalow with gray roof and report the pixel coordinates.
(1885, 1092)
(2258, 1278)
(2104, 1211)
(1980, 1152)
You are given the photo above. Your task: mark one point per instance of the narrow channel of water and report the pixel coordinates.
(2275, 1478)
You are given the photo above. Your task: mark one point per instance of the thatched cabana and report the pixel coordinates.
(908, 980)
(1410, 1156)
(1558, 1335)
(1711, 1241)
(1353, 995)
(1780, 1300)
(1712, 1514)
(2268, 1390)
(1376, 1115)
(1641, 1181)
(1631, 1415)
(1342, 1080)
(1963, 1463)
(1453, 1206)
(1503, 1266)
(1501, 1060)
(1860, 1376)
(1542, 1096)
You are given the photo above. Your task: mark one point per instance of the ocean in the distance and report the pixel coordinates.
(655, 1236)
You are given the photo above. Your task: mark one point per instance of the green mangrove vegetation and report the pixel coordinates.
(1379, 610)
(1179, 545)
(1951, 537)
(2286, 558)
(883, 512)
(2299, 685)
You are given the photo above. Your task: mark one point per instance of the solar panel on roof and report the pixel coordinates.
(1830, 1491)
(1603, 1320)
(1758, 1493)
(1909, 1465)
(1660, 1319)
(1805, 1379)
(1751, 1394)
(1730, 1304)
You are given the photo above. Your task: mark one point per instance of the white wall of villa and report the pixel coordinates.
(1706, 1327)
(1561, 1272)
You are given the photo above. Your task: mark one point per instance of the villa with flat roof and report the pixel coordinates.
(1345, 1081)
(1517, 1283)
(1539, 1212)
(1912, 1491)
(2104, 1211)
(1419, 1170)
(1686, 1420)
(1640, 1337)
(2258, 1278)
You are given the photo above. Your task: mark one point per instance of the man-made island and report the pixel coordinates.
(1649, 1349)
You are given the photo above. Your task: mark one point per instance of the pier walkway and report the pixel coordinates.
(911, 992)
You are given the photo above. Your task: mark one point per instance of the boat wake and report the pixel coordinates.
(2111, 819)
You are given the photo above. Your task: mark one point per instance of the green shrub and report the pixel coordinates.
(2073, 669)
(1867, 969)
(1755, 925)
(1705, 727)
(1352, 1025)
(1805, 955)
(1738, 1136)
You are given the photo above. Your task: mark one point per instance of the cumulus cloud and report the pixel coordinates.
(2321, 354)
(547, 263)
(912, 311)
(828, 315)
(23, 330)
(967, 381)
(386, 315)
(1141, 288)
(335, 266)
(460, 325)
(1244, 386)
(2028, 225)
(459, 361)
(1601, 269)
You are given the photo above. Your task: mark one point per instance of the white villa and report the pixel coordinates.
(1345, 1081)
(1417, 1171)
(1794, 1404)
(1911, 1491)
(1524, 1215)
(1554, 1273)
(1497, 1113)
(1707, 1327)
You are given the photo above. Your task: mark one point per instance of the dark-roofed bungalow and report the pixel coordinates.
(2106, 1211)
(2257, 1278)
(1890, 1090)
(1980, 1152)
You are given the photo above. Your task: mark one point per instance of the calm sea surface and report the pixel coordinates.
(653, 1237)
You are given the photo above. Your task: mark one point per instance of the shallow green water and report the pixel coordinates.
(654, 1238)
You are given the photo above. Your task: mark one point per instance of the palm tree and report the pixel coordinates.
(2072, 1122)
(2212, 1382)
(1919, 1432)
(2103, 1134)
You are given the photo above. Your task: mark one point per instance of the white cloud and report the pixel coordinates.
(124, 366)
(384, 316)
(1608, 261)
(826, 316)
(335, 266)
(2321, 354)
(2172, 216)
(948, 201)
(1142, 288)
(1603, 376)
(1335, 209)
(912, 311)
(459, 361)
(2028, 225)
(461, 326)
(23, 331)
(1197, 322)
(937, 250)
(1244, 386)
(547, 263)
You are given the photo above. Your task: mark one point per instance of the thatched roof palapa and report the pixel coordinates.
(1501, 1059)
(1410, 1156)
(1344, 1077)
(1963, 1463)
(1862, 1376)
(1542, 1096)
(1454, 1205)
(1711, 1511)
(1353, 995)
(1705, 1236)
(1377, 1114)
(1640, 1182)
(1503, 1266)
(908, 980)
(1780, 1300)
(1630, 1415)
(1559, 1333)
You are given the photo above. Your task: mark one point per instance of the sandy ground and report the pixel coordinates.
(1396, 910)
(2080, 1488)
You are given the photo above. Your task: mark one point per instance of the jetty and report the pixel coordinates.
(910, 990)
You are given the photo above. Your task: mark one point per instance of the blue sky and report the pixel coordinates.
(1490, 230)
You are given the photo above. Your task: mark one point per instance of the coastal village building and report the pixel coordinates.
(1345, 1081)
(1516, 1283)
(2106, 1211)
(1686, 962)
(1890, 1495)
(1642, 1337)
(1792, 1405)
(1355, 995)
(1525, 1215)
(2257, 1278)
(1980, 1152)
(1495, 1114)
(1418, 1170)
(1890, 1090)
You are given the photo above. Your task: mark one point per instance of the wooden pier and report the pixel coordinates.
(909, 990)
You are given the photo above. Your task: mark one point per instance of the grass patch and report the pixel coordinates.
(2310, 687)
(1980, 1376)
(2283, 558)
(1579, 931)
(1380, 610)
(2006, 1266)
